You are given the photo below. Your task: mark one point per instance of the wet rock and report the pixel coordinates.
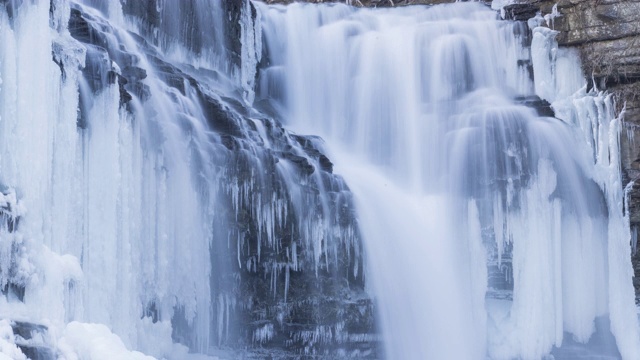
(32, 339)
(286, 303)
(13, 291)
(219, 118)
(35, 352)
(105, 64)
(541, 106)
(520, 12)
(28, 330)
(325, 163)
(301, 163)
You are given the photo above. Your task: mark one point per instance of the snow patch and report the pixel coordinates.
(82, 341)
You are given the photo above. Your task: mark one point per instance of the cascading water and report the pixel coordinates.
(147, 206)
(489, 228)
(152, 202)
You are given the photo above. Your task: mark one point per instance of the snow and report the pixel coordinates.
(85, 341)
(94, 342)
(8, 348)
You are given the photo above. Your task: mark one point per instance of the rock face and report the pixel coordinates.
(287, 278)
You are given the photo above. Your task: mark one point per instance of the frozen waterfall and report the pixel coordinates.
(491, 226)
(212, 179)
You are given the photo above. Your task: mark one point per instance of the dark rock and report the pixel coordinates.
(318, 300)
(14, 291)
(520, 12)
(233, 10)
(79, 27)
(34, 352)
(301, 162)
(325, 163)
(27, 330)
(608, 13)
(151, 311)
(101, 55)
(27, 333)
(220, 118)
(125, 96)
(541, 106)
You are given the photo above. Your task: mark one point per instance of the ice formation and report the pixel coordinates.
(137, 167)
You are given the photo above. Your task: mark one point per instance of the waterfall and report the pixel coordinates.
(229, 179)
(486, 177)
(146, 206)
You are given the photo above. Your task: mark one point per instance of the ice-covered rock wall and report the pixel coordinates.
(143, 193)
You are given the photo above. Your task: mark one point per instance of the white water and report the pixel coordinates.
(419, 108)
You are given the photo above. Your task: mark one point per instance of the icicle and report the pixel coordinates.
(251, 39)
(550, 18)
